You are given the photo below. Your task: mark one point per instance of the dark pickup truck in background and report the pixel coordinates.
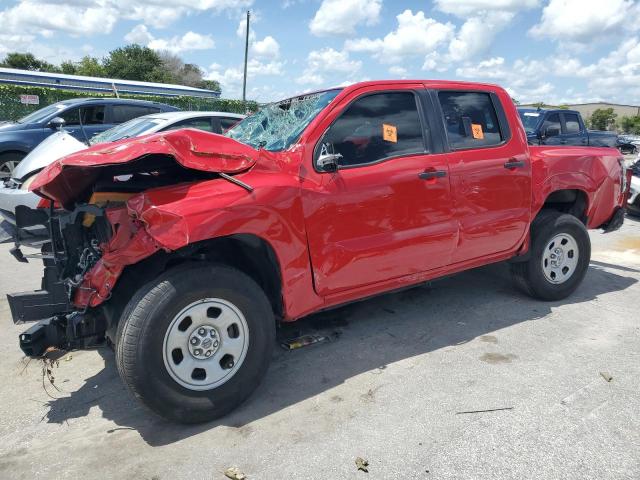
(562, 127)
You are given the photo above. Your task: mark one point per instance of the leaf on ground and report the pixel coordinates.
(362, 464)
(234, 473)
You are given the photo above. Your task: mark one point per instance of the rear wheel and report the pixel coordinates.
(195, 343)
(560, 252)
(8, 162)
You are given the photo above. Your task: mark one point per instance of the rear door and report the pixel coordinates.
(490, 173)
(386, 212)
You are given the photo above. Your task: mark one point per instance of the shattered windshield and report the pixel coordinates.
(278, 125)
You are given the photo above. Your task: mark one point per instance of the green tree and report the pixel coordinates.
(630, 124)
(210, 85)
(135, 62)
(68, 67)
(90, 67)
(27, 61)
(602, 119)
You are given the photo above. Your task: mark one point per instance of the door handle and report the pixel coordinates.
(432, 174)
(514, 164)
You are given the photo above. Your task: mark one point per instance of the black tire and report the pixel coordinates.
(529, 275)
(8, 161)
(149, 314)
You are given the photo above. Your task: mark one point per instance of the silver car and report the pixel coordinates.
(15, 190)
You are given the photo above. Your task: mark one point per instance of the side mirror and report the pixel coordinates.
(328, 162)
(56, 123)
(552, 132)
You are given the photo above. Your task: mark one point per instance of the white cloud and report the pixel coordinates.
(98, 17)
(139, 34)
(585, 20)
(187, 42)
(40, 18)
(231, 78)
(465, 8)
(268, 47)
(398, 71)
(328, 60)
(476, 35)
(341, 17)
(416, 35)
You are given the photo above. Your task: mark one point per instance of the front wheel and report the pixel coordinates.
(560, 252)
(195, 343)
(8, 163)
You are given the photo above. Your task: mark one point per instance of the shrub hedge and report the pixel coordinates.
(12, 109)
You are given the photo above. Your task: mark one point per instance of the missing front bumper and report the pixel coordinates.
(64, 332)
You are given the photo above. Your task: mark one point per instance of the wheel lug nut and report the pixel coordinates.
(215, 344)
(197, 351)
(201, 331)
(208, 354)
(194, 341)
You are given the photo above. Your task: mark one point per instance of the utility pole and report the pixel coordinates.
(246, 55)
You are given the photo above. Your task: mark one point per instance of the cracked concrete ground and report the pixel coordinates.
(389, 389)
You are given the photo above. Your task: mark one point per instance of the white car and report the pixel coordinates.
(633, 203)
(15, 190)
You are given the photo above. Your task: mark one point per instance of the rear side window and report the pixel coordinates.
(376, 127)
(124, 113)
(470, 119)
(571, 123)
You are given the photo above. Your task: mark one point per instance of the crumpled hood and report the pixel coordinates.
(193, 149)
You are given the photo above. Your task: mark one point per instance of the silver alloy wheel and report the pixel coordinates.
(560, 258)
(206, 344)
(7, 168)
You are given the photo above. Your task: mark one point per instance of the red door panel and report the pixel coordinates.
(377, 222)
(493, 203)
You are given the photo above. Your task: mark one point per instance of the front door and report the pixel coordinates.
(386, 212)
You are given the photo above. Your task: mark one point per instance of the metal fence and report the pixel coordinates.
(12, 108)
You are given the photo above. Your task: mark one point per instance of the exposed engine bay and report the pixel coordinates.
(79, 236)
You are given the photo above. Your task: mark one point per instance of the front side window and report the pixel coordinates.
(92, 115)
(376, 127)
(227, 122)
(551, 122)
(470, 119)
(571, 123)
(202, 123)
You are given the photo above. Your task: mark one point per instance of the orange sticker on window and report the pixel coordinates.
(389, 133)
(476, 130)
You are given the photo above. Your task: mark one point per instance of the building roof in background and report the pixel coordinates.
(99, 84)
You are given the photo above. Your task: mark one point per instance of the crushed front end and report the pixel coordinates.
(75, 245)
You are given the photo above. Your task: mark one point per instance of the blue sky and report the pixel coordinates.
(541, 50)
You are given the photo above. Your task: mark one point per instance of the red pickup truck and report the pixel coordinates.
(183, 249)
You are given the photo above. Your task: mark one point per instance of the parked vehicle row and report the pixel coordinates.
(15, 190)
(82, 119)
(184, 248)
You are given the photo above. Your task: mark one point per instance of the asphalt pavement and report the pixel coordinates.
(392, 387)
